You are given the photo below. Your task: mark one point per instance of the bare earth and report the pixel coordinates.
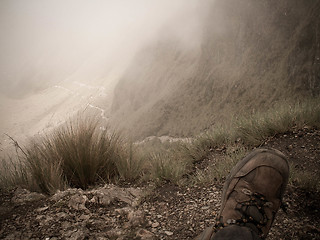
(167, 212)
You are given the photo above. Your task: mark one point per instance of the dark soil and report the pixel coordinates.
(173, 212)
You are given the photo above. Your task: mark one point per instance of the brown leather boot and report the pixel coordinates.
(252, 194)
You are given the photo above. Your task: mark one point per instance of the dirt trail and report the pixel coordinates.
(167, 212)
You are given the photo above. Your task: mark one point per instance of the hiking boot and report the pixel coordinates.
(252, 194)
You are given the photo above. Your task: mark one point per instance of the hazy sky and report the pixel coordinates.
(49, 40)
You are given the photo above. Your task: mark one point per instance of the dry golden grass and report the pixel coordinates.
(79, 154)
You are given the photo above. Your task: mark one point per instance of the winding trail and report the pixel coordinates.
(47, 109)
(94, 93)
(102, 114)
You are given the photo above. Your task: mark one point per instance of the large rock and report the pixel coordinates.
(22, 196)
(110, 193)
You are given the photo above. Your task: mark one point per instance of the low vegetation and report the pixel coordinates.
(246, 132)
(77, 154)
(80, 154)
(221, 167)
(304, 179)
(254, 129)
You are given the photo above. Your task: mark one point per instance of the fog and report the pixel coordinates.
(45, 42)
(58, 57)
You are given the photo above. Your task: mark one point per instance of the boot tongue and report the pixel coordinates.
(253, 212)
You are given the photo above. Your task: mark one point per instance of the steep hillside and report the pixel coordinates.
(252, 55)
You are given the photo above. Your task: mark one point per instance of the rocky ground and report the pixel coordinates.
(167, 212)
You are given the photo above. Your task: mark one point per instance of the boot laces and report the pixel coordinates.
(252, 213)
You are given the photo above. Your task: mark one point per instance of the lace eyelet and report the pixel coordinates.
(246, 191)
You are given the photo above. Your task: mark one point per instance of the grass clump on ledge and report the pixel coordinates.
(221, 166)
(252, 130)
(168, 167)
(77, 154)
(173, 162)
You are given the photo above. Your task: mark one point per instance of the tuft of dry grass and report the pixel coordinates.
(255, 128)
(220, 167)
(77, 154)
(164, 168)
(131, 167)
(12, 173)
(304, 179)
(80, 150)
(252, 131)
(204, 143)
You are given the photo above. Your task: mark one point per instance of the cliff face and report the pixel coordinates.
(252, 54)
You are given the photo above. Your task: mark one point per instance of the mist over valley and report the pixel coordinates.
(153, 69)
(59, 58)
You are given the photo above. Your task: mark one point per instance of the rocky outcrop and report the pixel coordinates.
(110, 212)
(23, 196)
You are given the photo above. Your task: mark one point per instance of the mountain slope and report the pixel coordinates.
(252, 55)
